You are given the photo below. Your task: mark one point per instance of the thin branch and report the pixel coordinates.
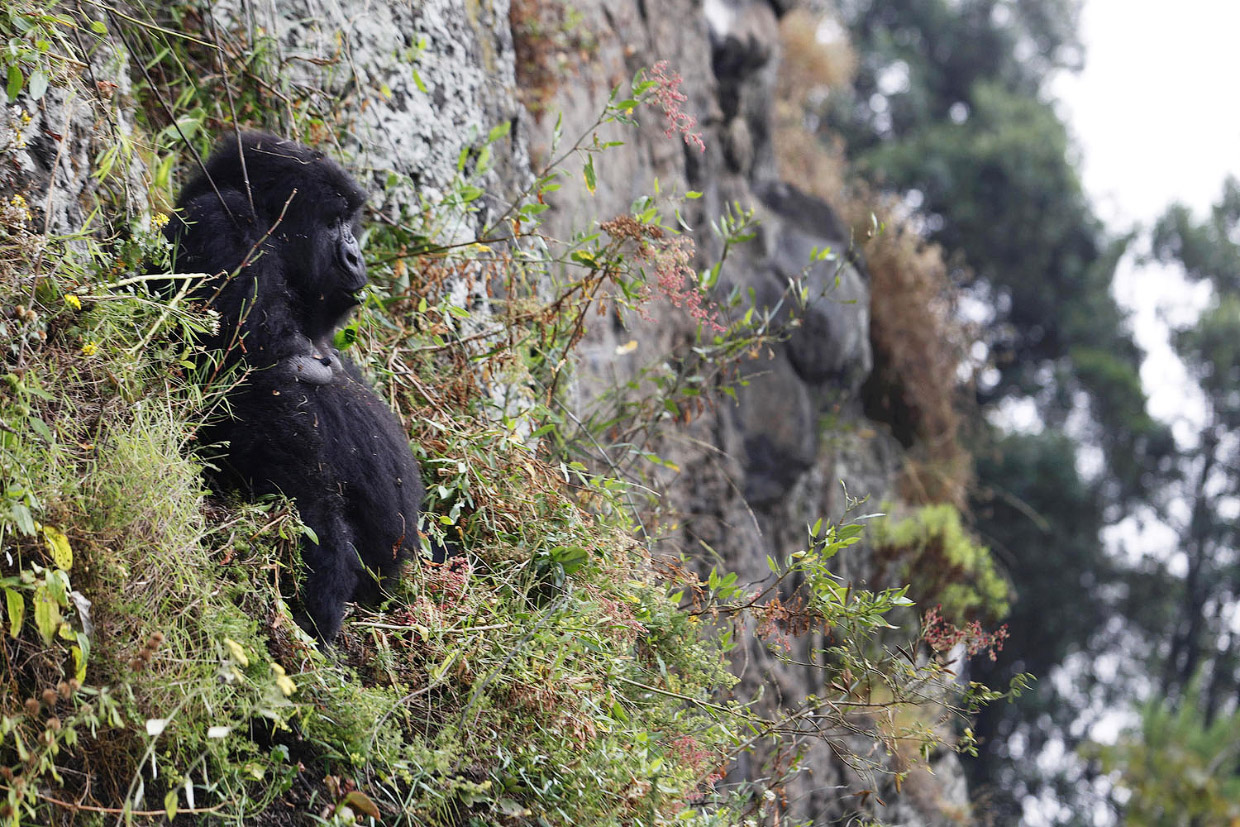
(121, 811)
(152, 26)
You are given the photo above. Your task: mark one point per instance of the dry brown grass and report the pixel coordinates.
(809, 66)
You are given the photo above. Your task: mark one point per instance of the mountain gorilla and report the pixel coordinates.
(278, 233)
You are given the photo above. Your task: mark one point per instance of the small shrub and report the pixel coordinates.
(932, 551)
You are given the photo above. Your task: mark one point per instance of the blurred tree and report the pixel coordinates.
(1203, 638)
(1178, 767)
(1042, 521)
(947, 110)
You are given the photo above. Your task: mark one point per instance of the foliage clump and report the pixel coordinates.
(932, 550)
(1179, 764)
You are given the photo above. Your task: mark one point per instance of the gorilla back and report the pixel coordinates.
(286, 270)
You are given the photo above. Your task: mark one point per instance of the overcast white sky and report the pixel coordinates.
(1157, 119)
(1155, 111)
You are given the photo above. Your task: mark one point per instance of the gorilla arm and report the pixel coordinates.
(279, 443)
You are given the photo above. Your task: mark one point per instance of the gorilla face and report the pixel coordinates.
(349, 258)
(331, 272)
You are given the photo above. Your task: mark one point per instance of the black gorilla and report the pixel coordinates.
(286, 269)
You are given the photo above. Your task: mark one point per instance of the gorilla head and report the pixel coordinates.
(275, 226)
(301, 210)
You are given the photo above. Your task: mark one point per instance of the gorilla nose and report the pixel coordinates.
(354, 268)
(353, 260)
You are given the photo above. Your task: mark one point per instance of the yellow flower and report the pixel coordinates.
(160, 220)
(90, 348)
(19, 205)
(234, 649)
(73, 301)
(283, 680)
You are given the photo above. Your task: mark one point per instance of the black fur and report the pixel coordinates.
(304, 423)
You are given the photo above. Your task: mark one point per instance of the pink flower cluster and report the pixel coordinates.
(448, 581)
(676, 279)
(671, 260)
(686, 750)
(667, 94)
(942, 635)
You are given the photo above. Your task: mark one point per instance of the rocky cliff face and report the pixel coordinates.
(756, 472)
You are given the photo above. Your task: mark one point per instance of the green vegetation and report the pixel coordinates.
(1178, 766)
(945, 109)
(932, 550)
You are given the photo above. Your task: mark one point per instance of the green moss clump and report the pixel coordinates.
(943, 563)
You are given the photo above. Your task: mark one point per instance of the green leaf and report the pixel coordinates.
(588, 171)
(16, 606)
(39, 427)
(345, 337)
(97, 27)
(14, 87)
(79, 663)
(46, 614)
(170, 804)
(38, 84)
(497, 132)
(512, 808)
(437, 672)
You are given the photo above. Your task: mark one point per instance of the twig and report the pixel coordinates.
(695, 701)
(396, 627)
(121, 811)
(245, 262)
(151, 26)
